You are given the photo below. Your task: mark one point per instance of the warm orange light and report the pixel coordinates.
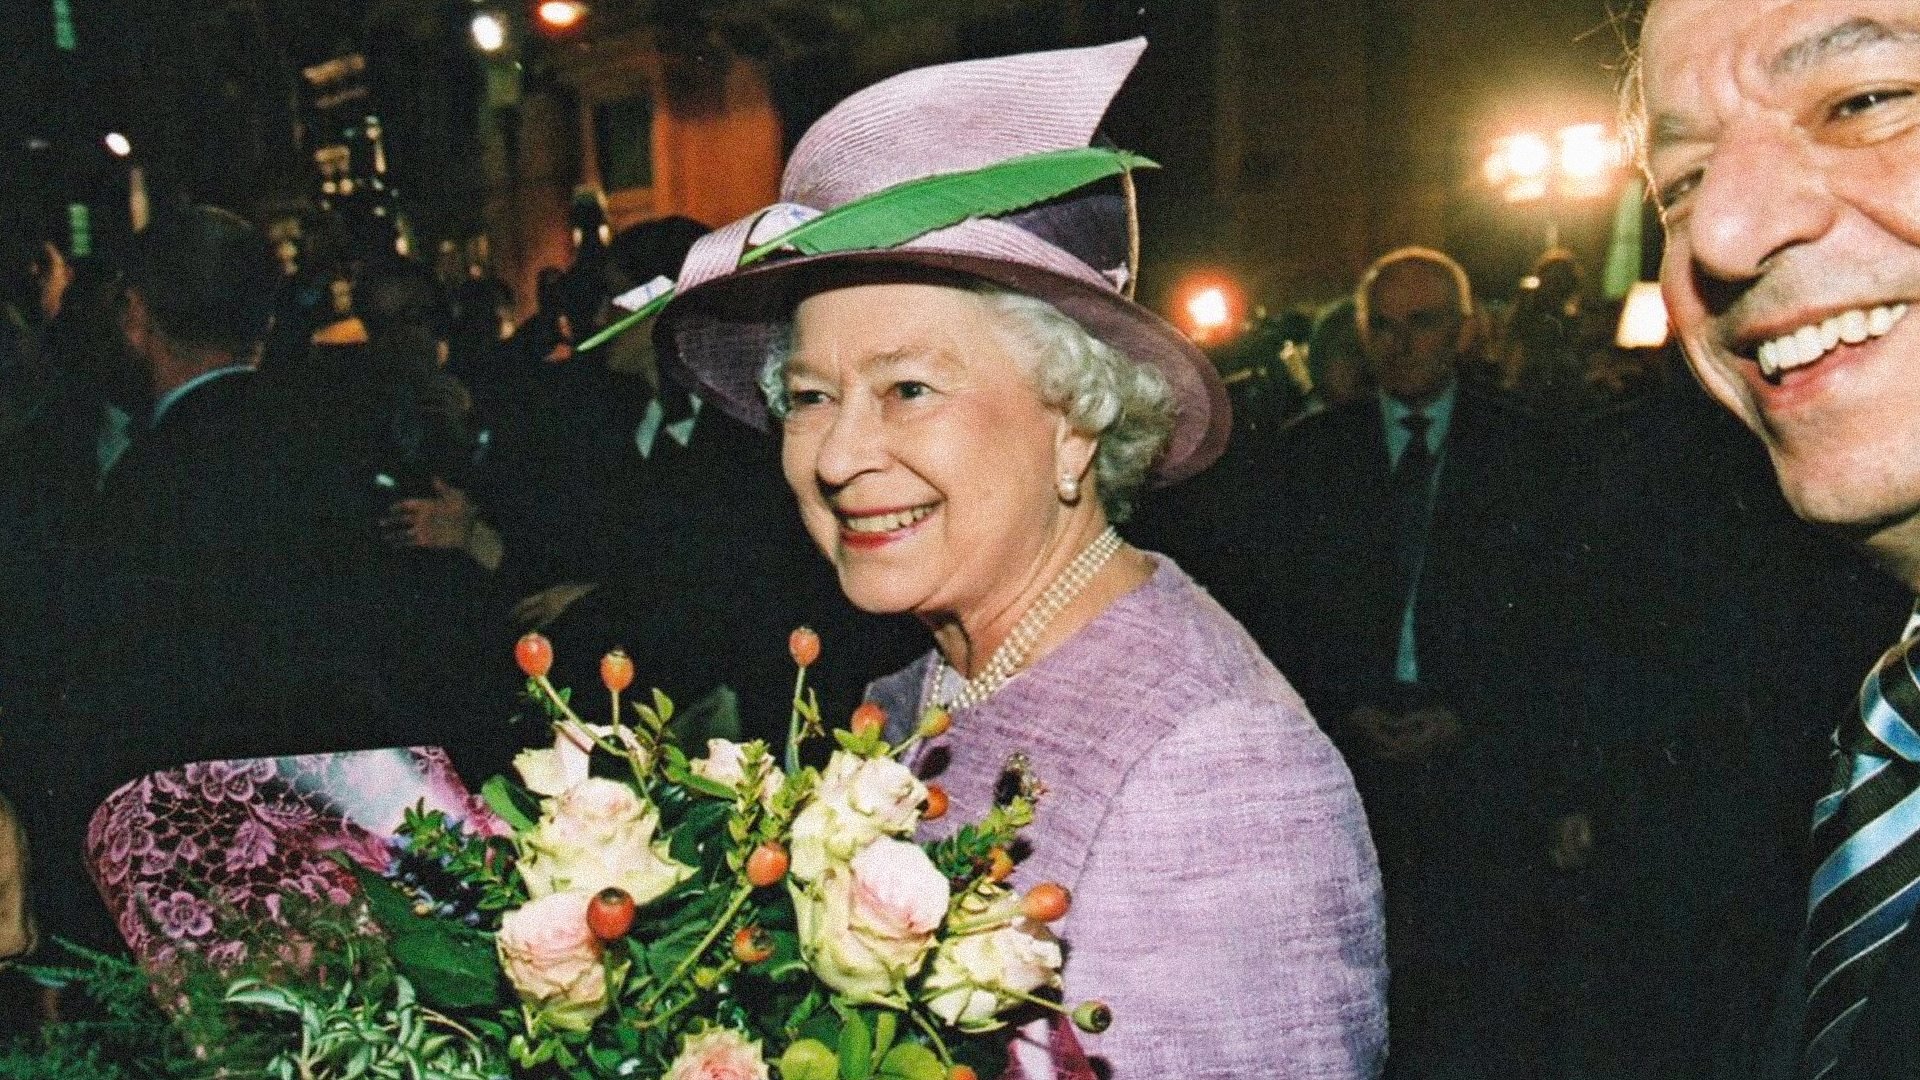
(1208, 309)
(1643, 321)
(1578, 161)
(1209, 306)
(562, 14)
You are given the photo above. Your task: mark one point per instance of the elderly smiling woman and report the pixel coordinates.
(963, 419)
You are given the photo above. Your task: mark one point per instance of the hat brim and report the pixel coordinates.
(718, 335)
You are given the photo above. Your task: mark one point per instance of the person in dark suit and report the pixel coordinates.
(1781, 161)
(225, 595)
(1397, 538)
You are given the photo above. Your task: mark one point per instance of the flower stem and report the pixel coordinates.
(939, 1046)
(559, 702)
(740, 895)
(1022, 995)
(793, 722)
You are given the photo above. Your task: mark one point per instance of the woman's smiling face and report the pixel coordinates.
(923, 459)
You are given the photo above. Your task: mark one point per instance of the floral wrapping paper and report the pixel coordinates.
(179, 854)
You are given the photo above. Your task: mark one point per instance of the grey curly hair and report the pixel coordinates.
(1127, 405)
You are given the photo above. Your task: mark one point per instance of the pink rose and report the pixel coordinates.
(865, 928)
(897, 891)
(857, 800)
(718, 1054)
(553, 960)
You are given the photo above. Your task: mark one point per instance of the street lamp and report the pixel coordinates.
(561, 16)
(489, 31)
(1579, 161)
(1211, 306)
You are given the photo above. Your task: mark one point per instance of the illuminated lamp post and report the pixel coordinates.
(1210, 307)
(489, 30)
(560, 17)
(1581, 161)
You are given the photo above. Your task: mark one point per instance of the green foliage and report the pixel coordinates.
(964, 854)
(453, 966)
(506, 799)
(809, 1059)
(482, 862)
(116, 1032)
(351, 1033)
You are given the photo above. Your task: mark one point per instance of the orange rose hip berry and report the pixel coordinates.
(936, 803)
(804, 646)
(999, 865)
(534, 653)
(868, 719)
(1046, 902)
(766, 865)
(610, 914)
(752, 945)
(616, 670)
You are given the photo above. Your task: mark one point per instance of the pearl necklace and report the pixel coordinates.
(1012, 653)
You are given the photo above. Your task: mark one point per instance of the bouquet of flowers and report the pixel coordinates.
(629, 909)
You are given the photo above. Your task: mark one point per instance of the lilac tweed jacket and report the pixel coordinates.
(1226, 901)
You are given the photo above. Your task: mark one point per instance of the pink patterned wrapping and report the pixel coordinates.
(177, 853)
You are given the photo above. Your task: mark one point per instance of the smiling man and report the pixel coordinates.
(1784, 146)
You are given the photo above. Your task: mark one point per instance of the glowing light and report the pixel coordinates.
(1585, 150)
(1527, 155)
(1208, 309)
(562, 14)
(118, 143)
(1578, 161)
(1643, 321)
(489, 32)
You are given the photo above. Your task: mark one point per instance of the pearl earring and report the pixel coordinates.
(1069, 488)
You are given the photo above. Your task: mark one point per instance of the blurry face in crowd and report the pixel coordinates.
(1785, 150)
(922, 457)
(1413, 328)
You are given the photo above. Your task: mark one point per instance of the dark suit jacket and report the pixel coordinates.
(1457, 831)
(1332, 616)
(1883, 1045)
(226, 596)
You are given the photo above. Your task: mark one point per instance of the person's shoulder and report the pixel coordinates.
(1171, 647)
(1344, 421)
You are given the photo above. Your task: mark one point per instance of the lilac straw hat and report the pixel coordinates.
(1071, 252)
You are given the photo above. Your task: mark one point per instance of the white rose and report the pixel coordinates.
(977, 976)
(726, 765)
(596, 835)
(865, 928)
(857, 801)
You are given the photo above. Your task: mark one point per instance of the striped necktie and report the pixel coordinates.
(1866, 838)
